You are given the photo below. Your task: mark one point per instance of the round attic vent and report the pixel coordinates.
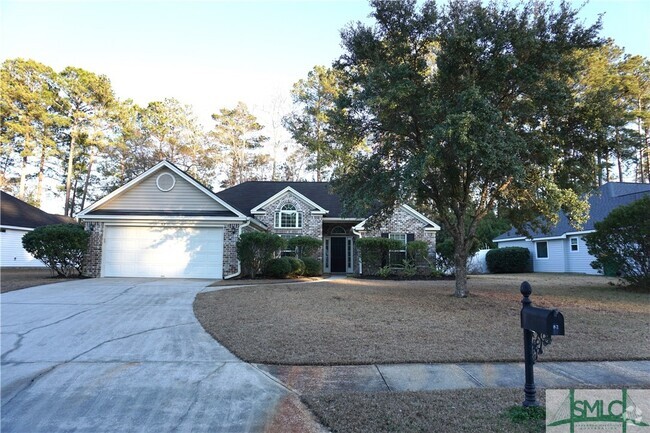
(165, 182)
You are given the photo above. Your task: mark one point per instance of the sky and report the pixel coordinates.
(211, 54)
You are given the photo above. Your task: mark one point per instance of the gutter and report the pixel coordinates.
(354, 232)
(236, 274)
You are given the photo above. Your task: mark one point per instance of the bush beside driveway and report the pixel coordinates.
(380, 322)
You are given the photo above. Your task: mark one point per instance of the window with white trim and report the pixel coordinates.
(288, 217)
(542, 250)
(397, 256)
(573, 242)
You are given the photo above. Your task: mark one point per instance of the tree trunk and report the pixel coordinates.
(640, 167)
(599, 168)
(74, 198)
(460, 264)
(39, 185)
(90, 167)
(68, 180)
(23, 175)
(620, 167)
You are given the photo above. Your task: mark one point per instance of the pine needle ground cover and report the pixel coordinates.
(350, 321)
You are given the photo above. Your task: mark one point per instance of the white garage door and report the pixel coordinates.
(169, 252)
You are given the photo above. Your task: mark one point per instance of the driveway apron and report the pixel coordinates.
(127, 355)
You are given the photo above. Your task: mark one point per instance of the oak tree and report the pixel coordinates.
(464, 106)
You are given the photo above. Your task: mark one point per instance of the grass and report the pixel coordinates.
(366, 322)
(469, 410)
(21, 278)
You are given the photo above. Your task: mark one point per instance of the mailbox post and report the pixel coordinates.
(539, 324)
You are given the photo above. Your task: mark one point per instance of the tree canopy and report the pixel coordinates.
(464, 106)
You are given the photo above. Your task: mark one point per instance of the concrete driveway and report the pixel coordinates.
(128, 355)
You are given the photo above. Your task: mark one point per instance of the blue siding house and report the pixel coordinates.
(563, 248)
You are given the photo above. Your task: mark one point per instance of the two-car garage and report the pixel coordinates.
(162, 224)
(163, 251)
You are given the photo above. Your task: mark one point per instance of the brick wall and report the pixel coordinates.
(230, 237)
(402, 221)
(93, 261)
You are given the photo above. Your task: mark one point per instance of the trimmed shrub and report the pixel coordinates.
(313, 267)
(255, 249)
(304, 246)
(418, 251)
(374, 252)
(508, 260)
(297, 266)
(61, 247)
(278, 268)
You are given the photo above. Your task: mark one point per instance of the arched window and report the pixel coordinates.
(338, 230)
(288, 217)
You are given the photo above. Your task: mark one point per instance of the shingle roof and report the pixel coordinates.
(607, 198)
(247, 195)
(17, 213)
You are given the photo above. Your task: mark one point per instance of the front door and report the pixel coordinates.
(338, 255)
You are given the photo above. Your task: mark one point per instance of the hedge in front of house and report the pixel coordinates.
(60, 246)
(297, 266)
(278, 268)
(374, 251)
(313, 267)
(255, 249)
(508, 260)
(304, 246)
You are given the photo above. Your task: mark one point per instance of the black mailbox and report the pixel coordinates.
(542, 320)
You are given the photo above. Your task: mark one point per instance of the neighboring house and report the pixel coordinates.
(16, 219)
(166, 224)
(563, 249)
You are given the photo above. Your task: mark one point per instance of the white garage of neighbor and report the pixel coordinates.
(18, 218)
(162, 224)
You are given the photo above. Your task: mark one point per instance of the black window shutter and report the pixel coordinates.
(410, 237)
(384, 235)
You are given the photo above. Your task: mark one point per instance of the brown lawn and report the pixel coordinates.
(21, 278)
(354, 321)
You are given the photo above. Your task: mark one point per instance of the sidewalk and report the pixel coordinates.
(429, 377)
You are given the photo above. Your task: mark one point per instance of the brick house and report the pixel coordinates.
(166, 224)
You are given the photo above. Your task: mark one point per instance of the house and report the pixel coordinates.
(16, 219)
(166, 224)
(563, 248)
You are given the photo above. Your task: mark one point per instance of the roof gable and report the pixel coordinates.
(601, 202)
(409, 210)
(16, 213)
(163, 189)
(250, 195)
(315, 208)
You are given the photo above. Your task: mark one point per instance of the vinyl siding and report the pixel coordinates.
(560, 256)
(12, 253)
(579, 261)
(146, 196)
(556, 257)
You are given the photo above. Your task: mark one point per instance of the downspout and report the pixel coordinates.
(236, 274)
(354, 232)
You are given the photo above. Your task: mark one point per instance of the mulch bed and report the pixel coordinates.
(263, 281)
(351, 321)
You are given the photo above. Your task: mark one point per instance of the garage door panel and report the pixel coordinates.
(172, 252)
